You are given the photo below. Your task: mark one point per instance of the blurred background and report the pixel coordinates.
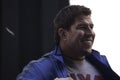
(26, 31)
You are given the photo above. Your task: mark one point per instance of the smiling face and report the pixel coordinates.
(79, 38)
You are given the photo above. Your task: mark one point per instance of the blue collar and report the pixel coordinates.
(58, 54)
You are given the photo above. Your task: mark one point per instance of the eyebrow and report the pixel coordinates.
(84, 25)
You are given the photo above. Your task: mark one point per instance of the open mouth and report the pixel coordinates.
(88, 42)
(90, 39)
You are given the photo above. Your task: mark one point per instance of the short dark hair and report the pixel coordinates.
(66, 17)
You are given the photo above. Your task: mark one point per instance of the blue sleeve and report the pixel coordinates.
(105, 61)
(30, 72)
(102, 58)
(37, 70)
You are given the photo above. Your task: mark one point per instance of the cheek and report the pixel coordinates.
(75, 36)
(78, 36)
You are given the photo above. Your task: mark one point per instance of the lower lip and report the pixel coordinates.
(88, 42)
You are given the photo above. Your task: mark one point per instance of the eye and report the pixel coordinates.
(82, 26)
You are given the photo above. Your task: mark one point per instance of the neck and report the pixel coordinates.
(80, 58)
(72, 53)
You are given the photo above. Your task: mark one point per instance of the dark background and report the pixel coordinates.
(26, 32)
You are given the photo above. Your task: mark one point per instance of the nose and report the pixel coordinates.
(90, 32)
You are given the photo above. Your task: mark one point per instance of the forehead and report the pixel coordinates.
(83, 19)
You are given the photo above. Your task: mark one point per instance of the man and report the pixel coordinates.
(73, 57)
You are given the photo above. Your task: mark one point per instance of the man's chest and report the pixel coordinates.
(82, 71)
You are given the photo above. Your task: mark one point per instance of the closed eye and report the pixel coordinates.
(84, 26)
(81, 26)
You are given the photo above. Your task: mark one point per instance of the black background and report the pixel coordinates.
(26, 32)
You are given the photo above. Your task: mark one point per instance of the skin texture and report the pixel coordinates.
(78, 40)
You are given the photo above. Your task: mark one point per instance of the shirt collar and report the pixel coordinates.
(58, 54)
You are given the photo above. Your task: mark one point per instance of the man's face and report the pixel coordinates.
(80, 37)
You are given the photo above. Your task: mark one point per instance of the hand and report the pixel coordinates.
(68, 78)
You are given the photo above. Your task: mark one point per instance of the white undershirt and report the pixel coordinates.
(81, 70)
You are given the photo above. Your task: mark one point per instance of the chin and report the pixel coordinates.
(88, 51)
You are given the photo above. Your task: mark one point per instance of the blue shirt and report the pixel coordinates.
(51, 66)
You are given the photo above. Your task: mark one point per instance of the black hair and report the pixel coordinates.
(66, 17)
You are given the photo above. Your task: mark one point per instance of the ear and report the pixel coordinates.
(62, 33)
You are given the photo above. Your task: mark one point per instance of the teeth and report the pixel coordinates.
(88, 40)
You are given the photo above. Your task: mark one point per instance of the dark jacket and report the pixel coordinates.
(52, 66)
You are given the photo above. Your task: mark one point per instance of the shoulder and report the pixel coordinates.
(38, 68)
(100, 57)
